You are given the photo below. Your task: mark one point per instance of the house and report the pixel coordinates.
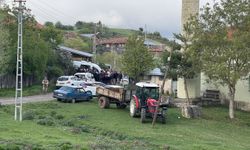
(118, 44)
(113, 44)
(76, 54)
(198, 85)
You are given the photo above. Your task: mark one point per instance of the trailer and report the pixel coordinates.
(113, 94)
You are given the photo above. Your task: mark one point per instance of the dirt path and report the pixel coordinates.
(28, 99)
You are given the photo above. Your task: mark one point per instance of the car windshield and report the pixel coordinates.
(152, 93)
(63, 78)
(66, 88)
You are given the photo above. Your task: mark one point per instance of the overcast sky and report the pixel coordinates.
(158, 15)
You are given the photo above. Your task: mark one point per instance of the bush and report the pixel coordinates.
(41, 117)
(68, 123)
(76, 130)
(48, 121)
(53, 113)
(65, 146)
(29, 115)
(59, 117)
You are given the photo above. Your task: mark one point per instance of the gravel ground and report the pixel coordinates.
(28, 99)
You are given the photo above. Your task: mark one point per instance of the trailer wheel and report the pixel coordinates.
(133, 110)
(104, 102)
(121, 105)
(143, 115)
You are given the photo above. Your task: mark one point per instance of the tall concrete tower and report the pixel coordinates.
(189, 7)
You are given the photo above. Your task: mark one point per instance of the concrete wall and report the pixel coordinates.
(193, 86)
(242, 89)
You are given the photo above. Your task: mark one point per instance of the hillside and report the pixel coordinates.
(123, 32)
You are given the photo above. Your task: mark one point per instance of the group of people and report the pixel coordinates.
(107, 76)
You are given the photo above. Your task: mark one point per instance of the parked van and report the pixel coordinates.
(85, 76)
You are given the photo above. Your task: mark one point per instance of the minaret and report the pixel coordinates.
(189, 7)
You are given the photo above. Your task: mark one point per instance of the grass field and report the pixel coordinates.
(54, 125)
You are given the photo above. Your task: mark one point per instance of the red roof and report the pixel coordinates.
(39, 26)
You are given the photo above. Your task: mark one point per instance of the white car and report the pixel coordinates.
(85, 76)
(87, 86)
(64, 80)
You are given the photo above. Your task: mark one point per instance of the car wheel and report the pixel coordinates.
(103, 102)
(58, 99)
(89, 93)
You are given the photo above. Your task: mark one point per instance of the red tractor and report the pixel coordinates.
(144, 102)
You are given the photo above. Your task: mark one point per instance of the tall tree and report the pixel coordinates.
(221, 43)
(136, 60)
(4, 43)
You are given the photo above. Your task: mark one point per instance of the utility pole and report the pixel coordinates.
(19, 63)
(94, 44)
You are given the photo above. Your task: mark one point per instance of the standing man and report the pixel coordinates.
(45, 83)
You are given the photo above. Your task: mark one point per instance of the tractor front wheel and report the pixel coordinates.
(132, 109)
(104, 102)
(143, 115)
(163, 116)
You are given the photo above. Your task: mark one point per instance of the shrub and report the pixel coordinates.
(29, 115)
(48, 121)
(68, 123)
(53, 113)
(65, 146)
(41, 117)
(59, 117)
(76, 130)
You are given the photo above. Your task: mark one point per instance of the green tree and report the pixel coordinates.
(221, 43)
(136, 60)
(49, 24)
(4, 43)
(77, 43)
(111, 58)
(79, 24)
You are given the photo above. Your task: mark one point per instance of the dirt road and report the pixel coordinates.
(35, 98)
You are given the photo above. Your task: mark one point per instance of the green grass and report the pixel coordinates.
(84, 125)
(123, 32)
(27, 91)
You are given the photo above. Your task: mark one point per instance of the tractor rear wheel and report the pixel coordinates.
(143, 115)
(133, 110)
(104, 102)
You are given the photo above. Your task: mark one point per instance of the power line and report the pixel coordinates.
(45, 15)
(50, 11)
